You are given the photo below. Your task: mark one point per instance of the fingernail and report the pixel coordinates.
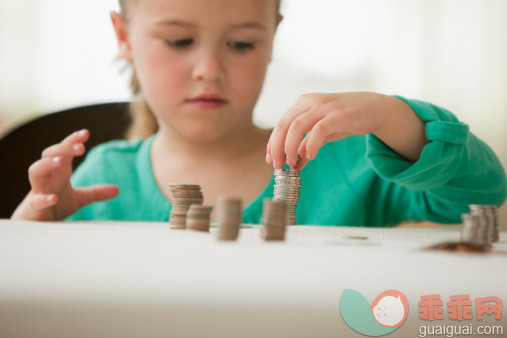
(76, 147)
(82, 132)
(56, 159)
(49, 198)
(268, 158)
(309, 156)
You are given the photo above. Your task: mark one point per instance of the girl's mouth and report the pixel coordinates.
(207, 101)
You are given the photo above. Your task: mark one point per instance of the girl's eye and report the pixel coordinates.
(180, 43)
(240, 45)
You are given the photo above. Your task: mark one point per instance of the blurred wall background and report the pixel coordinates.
(56, 54)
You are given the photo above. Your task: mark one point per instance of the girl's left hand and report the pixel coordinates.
(324, 118)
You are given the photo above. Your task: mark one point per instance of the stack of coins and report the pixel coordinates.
(183, 196)
(198, 217)
(490, 212)
(287, 187)
(476, 229)
(228, 218)
(274, 219)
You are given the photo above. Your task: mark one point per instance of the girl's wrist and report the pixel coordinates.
(386, 111)
(401, 128)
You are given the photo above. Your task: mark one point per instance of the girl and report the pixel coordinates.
(199, 67)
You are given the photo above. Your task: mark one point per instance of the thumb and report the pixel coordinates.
(96, 193)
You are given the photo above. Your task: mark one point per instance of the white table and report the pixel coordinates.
(145, 280)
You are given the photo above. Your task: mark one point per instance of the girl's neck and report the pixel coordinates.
(228, 148)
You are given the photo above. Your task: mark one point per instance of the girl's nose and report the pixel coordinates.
(209, 67)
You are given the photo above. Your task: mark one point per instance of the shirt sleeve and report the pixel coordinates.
(455, 169)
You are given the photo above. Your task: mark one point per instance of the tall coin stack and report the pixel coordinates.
(491, 214)
(198, 217)
(228, 218)
(287, 188)
(476, 229)
(183, 196)
(274, 219)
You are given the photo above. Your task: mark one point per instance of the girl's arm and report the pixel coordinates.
(426, 159)
(330, 117)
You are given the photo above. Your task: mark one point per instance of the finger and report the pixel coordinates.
(41, 202)
(71, 146)
(279, 135)
(69, 151)
(301, 164)
(277, 144)
(39, 170)
(302, 146)
(322, 133)
(269, 158)
(96, 193)
(298, 128)
(302, 159)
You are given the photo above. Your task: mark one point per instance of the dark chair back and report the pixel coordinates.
(23, 145)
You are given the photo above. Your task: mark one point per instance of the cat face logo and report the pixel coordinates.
(387, 312)
(388, 308)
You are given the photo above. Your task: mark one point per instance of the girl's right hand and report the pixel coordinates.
(52, 197)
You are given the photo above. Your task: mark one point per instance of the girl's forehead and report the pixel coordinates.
(204, 11)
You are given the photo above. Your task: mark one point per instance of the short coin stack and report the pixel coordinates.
(228, 218)
(475, 229)
(274, 219)
(490, 212)
(287, 188)
(183, 196)
(198, 217)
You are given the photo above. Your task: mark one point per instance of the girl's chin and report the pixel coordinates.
(202, 131)
(204, 135)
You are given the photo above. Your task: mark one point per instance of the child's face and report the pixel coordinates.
(184, 49)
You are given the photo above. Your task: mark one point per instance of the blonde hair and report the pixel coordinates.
(143, 122)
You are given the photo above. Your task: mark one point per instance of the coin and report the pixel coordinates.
(491, 214)
(228, 218)
(476, 229)
(274, 220)
(287, 188)
(198, 218)
(183, 196)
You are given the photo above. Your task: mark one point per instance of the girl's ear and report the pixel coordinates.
(122, 36)
(279, 19)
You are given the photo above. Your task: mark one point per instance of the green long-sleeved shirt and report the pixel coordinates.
(355, 181)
